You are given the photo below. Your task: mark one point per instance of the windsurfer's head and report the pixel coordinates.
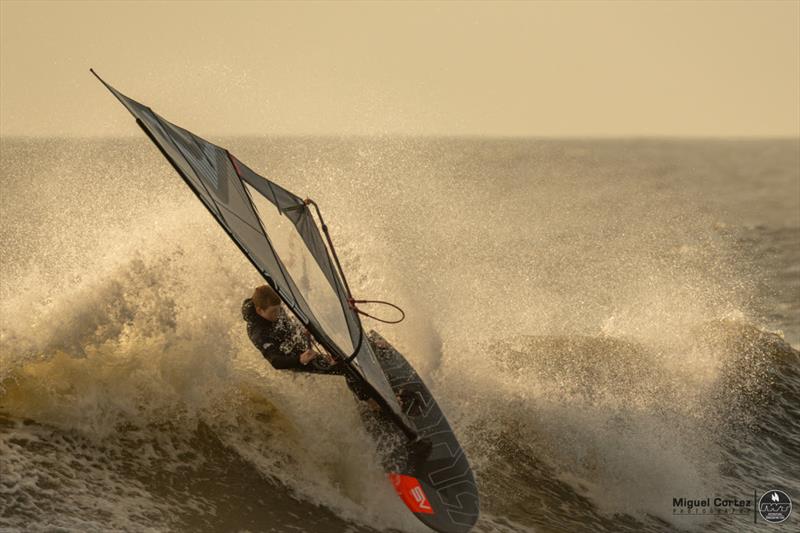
(267, 302)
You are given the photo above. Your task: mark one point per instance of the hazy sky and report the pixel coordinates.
(539, 68)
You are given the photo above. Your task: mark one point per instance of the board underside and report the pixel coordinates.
(433, 476)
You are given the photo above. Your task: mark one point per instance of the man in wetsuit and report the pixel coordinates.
(279, 337)
(282, 341)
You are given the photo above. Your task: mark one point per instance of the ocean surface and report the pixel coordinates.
(608, 324)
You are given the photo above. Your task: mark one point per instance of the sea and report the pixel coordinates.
(610, 325)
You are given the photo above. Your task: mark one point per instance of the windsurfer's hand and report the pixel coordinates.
(307, 356)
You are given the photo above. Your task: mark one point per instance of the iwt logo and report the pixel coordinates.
(775, 506)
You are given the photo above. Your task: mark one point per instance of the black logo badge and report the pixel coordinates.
(775, 506)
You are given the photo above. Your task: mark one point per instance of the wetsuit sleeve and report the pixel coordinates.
(272, 343)
(278, 358)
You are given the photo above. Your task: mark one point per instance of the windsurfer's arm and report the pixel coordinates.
(295, 359)
(299, 361)
(280, 359)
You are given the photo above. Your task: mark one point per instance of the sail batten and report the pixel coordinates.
(284, 244)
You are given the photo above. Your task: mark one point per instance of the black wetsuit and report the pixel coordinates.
(281, 342)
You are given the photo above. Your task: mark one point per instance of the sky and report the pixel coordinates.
(562, 69)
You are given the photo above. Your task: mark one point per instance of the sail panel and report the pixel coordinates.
(295, 209)
(155, 128)
(302, 267)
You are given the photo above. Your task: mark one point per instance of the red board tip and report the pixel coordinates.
(410, 490)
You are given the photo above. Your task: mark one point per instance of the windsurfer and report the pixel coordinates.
(279, 338)
(282, 342)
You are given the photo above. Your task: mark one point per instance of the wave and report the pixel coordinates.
(142, 427)
(611, 427)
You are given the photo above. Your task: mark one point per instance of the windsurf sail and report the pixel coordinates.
(276, 231)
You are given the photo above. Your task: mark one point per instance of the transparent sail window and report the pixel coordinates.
(303, 269)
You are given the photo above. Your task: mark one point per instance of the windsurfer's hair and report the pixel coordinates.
(264, 297)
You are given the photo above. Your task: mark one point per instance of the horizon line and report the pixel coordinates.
(731, 137)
